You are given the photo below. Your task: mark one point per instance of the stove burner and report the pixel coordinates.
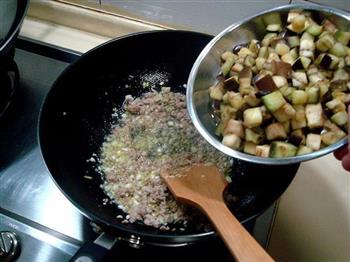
(9, 78)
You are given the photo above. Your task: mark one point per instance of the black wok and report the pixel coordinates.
(12, 13)
(77, 114)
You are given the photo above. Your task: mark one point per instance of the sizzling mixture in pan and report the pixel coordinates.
(154, 133)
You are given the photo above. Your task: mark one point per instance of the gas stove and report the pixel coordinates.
(37, 223)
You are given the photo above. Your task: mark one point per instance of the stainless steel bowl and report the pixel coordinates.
(207, 67)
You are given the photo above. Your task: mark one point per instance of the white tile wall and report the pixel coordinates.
(208, 16)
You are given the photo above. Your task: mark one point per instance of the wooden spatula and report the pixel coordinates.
(203, 186)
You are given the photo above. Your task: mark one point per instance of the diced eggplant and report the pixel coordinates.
(252, 117)
(299, 112)
(339, 50)
(292, 14)
(299, 97)
(287, 92)
(231, 84)
(246, 90)
(336, 105)
(272, 18)
(297, 65)
(284, 113)
(342, 37)
(249, 148)
(281, 68)
(340, 118)
(231, 140)
(226, 113)
(252, 136)
(280, 81)
(299, 79)
(266, 84)
(298, 124)
(341, 74)
(325, 42)
(280, 60)
(275, 131)
(254, 47)
(228, 55)
(314, 78)
(274, 28)
(296, 137)
(273, 56)
(314, 115)
(313, 141)
(234, 99)
(273, 101)
(324, 87)
(227, 65)
(263, 52)
(237, 67)
(245, 78)
(307, 45)
(234, 127)
(217, 91)
(288, 58)
(294, 53)
(252, 100)
(244, 51)
(339, 85)
(299, 121)
(331, 137)
(303, 150)
(238, 47)
(282, 48)
(286, 126)
(313, 95)
(259, 63)
(329, 26)
(340, 95)
(249, 61)
(262, 151)
(305, 61)
(268, 38)
(298, 24)
(314, 29)
(280, 149)
(325, 61)
(293, 41)
(266, 114)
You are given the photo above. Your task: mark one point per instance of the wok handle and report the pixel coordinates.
(239, 242)
(95, 251)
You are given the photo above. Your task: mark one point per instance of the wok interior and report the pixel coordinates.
(77, 114)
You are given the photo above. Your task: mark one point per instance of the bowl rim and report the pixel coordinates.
(235, 153)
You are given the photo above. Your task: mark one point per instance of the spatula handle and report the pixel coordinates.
(239, 242)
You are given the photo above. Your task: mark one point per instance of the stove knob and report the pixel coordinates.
(9, 246)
